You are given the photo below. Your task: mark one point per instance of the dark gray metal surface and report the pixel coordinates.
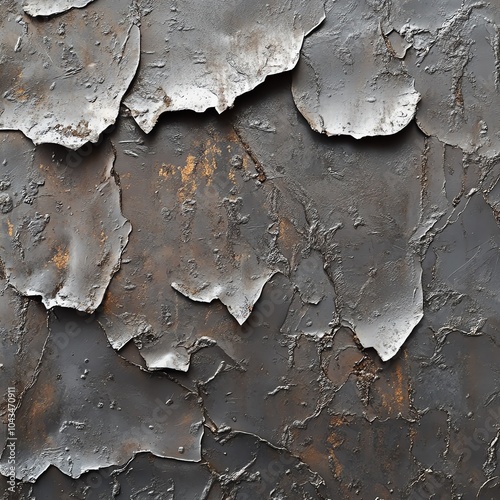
(228, 304)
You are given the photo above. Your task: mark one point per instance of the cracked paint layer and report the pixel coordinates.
(63, 231)
(366, 248)
(63, 78)
(200, 55)
(51, 7)
(348, 81)
(77, 417)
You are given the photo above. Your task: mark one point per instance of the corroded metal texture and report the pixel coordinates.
(75, 415)
(232, 305)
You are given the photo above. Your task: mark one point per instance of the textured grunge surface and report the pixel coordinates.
(249, 249)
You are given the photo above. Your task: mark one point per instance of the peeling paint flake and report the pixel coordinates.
(348, 81)
(200, 55)
(63, 232)
(457, 72)
(238, 294)
(50, 7)
(63, 78)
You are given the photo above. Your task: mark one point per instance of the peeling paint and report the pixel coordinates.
(203, 55)
(52, 246)
(348, 82)
(211, 234)
(50, 7)
(454, 60)
(294, 315)
(239, 297)
(365, 248)
(63, 78)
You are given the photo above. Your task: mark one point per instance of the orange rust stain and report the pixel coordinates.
(21, 94)
(335, 441)
(245, 162)
(208, 164)
(188, 169)
(397, 399)
(189, 185)
(10, 227)
(399, 390)
(61, 258)
(165, 170)
(110, 303)
(337, 466)
(287, 237)
(311, 455)
(233, 136)
(39, 408)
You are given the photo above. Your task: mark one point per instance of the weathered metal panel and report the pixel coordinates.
(228, 304)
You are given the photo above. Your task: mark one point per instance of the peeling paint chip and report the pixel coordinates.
(200, 55)
(63, 230)
(63, 78)
(51, 7)
(401, 309)
(239, 296)
(348, 83)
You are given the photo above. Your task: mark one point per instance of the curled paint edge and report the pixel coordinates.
(237, 313)
(318, 124)
(34, 11)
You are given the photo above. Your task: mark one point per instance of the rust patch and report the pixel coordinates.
(61, 258)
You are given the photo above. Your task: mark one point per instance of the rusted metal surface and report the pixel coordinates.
(235, 306)
(206, 197)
